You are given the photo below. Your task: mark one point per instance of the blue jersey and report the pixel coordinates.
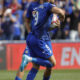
(7, 3)
(39, 14)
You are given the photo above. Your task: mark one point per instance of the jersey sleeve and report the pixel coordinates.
(28, 14)
(49, 7)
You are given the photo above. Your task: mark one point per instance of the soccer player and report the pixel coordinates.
(39, 49)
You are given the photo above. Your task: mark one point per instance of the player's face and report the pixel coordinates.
(30, 0)
(48, 0)
(42, 1)
(51, 1)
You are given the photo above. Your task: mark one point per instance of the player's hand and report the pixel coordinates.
(58, 23)
(62, 17)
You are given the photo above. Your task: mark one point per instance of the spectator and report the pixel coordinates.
(17, 29)
(24, 4)
(1, 16)
(73, 35)
(68, 7)
(78, 4)
(67, 28)
(78, 34)
(75, 18)
(7, 3)
(14, 6)
(8, 20)
(8, 26)
(66, 32)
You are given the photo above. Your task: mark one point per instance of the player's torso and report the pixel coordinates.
(39, 18)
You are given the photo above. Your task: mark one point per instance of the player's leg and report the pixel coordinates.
(20, 72)
(39, 61)
(47, 72)
(51, 58)
(44, 51)
(32, 73)
(38, 47)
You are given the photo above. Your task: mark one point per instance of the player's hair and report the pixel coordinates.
(43, 0)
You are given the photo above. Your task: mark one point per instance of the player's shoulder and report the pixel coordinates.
(32, 4)
(47, 4)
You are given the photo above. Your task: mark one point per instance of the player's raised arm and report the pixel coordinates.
(59, 11)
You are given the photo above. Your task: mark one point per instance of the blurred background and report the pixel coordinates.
(65, 41)
(12, 25)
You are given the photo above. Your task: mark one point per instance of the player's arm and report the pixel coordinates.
(9, 14)
(28, 18)
(58, 11)
(27, 22)
(13, 19)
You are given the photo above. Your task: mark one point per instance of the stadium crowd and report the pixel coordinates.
(12, 16)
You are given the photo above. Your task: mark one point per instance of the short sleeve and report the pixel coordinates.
(28, 14)
(50, 6)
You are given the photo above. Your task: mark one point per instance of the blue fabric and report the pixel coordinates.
(39, 61)
(24, 5)
(46, 78)
(42, 62)
(31, 75)
(17, 78)
(38, 48)
(7, 3)
(54, 31)
(17, 31)
(19, 1)
(20, 13)
(39, 14)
